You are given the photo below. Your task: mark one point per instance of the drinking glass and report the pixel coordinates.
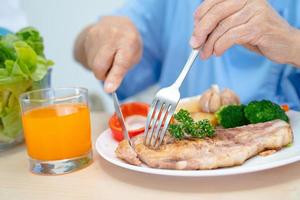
(56, 125)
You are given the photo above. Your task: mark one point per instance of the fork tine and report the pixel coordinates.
(163, 115)
(153, 124)
(154, 121)
(165, 127)
(149, 118)
(150, 115)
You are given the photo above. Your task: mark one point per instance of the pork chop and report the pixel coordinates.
(229, 147)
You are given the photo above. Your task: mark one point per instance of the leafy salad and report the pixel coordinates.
(22, 62)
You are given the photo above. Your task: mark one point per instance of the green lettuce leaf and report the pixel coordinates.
(22, 63)
(41, 69)
(7, 51)
(32, 37)
(27, 65)
(11, 118)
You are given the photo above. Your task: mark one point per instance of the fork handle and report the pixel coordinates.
(186, 68)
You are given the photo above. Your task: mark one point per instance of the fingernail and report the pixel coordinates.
(194, 42)
(108, 87)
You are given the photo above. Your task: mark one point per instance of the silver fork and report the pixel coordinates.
(163, 107)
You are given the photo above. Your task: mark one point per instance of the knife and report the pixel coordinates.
(120, 117)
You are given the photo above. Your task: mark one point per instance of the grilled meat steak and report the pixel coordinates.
(125, 151)
(228, 148)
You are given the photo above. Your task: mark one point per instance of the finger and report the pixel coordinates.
(90, 52)
(123, 61)
(90, 49)
(102, 62)
(237, 19)
(252, 48)
(204, 8)
(212, 18)
(239, 35)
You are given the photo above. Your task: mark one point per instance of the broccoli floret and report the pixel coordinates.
(231, 116)
(263, 111)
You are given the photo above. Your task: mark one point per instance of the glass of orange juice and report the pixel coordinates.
(56, 125)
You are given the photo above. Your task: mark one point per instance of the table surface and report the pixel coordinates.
(102, 180)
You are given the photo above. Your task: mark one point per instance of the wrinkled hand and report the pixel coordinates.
(111, 48)
(220, 24)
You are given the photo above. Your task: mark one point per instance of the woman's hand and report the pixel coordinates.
(109, 48)
(220, 24)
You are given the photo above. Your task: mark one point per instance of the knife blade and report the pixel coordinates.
(120, 117)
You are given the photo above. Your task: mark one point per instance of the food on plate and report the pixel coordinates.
(285, 107)
(204, 106)
(135, 115)
(255, 112)
(185, 126)
(232, 116)
(197, 116)
(124, 150)
(268, 152)
(213, 99)
(228, 97)
(192, 106)
(229, 147)
(262, 111)
(135, 122)
(194, 142)
(22, 64)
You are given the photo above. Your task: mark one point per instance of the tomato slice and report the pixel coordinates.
(128, 109)
(285, 107)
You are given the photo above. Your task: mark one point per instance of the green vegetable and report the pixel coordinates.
(32, 37)
(263, 111)
(185, 125)
(231, 116)
(22, 63)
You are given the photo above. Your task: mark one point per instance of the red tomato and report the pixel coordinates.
(285, 107)
(128, 109)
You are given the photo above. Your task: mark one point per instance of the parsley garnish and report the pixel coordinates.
(185, 125)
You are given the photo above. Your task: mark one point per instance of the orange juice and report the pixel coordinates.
(58, 131)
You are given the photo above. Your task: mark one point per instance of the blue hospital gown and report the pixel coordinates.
(166, 27)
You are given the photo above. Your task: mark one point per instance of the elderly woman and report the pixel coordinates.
(251, 46)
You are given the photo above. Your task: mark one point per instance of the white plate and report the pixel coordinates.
(106, 145)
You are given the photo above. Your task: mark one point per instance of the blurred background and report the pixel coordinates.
(59, 22)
